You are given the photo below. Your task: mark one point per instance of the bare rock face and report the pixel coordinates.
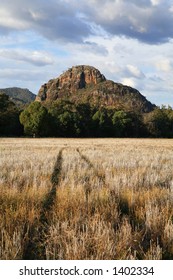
(70, 82)
(86, 84)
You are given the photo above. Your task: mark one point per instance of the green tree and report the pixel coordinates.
(9, 117)
(35, 120)
(121, 121)
(65, 119)
(102, 126)
(68, 122)
(169, 113)
(84, 119)
(159, 122)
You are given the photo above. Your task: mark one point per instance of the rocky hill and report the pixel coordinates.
(19, 96)
(86, 84)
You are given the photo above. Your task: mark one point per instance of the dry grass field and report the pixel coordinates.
(86, 199)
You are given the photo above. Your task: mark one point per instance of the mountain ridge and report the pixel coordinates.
(20, 96)
(86, 83)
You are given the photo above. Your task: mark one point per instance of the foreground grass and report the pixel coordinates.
(86, 199)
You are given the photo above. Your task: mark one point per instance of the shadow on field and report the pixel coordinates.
(97, 173)
(36, 235)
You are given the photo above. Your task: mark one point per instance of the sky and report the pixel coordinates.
(130, 42)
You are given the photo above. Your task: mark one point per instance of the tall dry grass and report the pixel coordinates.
(114, 198)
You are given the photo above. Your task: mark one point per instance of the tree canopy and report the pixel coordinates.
(64, 118)
(9, 117)
(35, 120)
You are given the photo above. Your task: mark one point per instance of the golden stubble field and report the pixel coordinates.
(86, 199)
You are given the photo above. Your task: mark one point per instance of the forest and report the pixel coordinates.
(64, 118)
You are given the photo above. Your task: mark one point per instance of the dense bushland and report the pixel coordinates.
(9, 117)
(64, 118)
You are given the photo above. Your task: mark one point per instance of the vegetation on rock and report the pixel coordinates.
(81, 84)
(82, 103)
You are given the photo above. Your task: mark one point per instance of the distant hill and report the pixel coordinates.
(86, 84)
(19, 96)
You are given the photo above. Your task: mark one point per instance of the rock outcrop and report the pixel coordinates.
(71, 81)
(86, 84)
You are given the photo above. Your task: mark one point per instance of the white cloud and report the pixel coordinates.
(128, 82)
(8, 21)
(52, 19)
(10, 74)
(145, 20)
(156, 2)
(134, 71)
(123, 39)
(38, 58)
(164, 65)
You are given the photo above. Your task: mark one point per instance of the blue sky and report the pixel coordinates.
(130, 42)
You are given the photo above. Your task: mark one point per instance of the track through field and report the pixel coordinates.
(35, 245)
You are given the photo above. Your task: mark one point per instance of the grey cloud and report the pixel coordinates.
(133, 71)
(148, 21)
(64, 28)
(136, 19)
(156, 78)
(95, 48)
(52, 19)
(19, 75)
(36, 58)
(23, 78)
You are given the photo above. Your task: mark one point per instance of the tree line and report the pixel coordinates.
(63, 118)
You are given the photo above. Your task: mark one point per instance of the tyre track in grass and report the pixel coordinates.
(35, 248)
(97, 173)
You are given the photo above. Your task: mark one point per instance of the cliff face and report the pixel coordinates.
(87, 84)
(79, 77)
(70, 82)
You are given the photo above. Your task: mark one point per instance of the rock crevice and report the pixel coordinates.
(75, 78)
(86, 84)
